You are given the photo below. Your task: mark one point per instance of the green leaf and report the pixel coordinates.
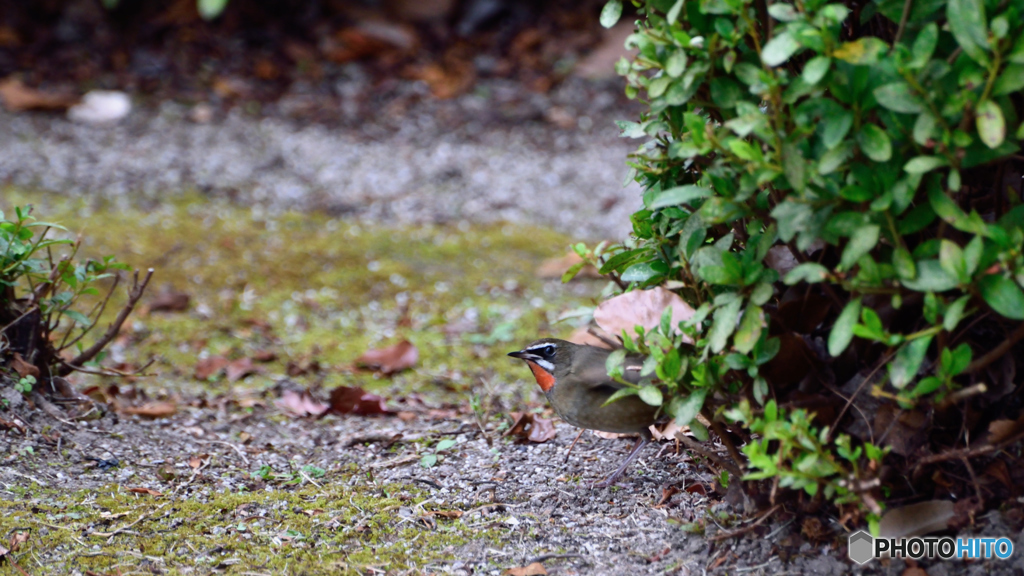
(779, 49)
(830, 161)
(930, 278)
(611, 13)
(875, 143)
(573, 271)
(924, 128)
(842, 330)
(444, 445)
(210, 9)
(620, 394)
(926, 386)
(643, 271)
(859, 244)
(783, 12)
(673, 13)
(951, 258)
(675, 65)
(903, 262)
(898, 97)
(966, 19)
(81, 319)
(794, 167)
(955, 313)
(749, 331)
(924, 45)
(991, 125)
(904, 367)
(816, 67)
(650, 395)
(678, 195)
(861, 51)
(1003, 295)
(810, 272)
(724, 324)
(1011, 80)
(684, 410)
(922, 164)
(622, 258)
(835, 128)
(428, 460)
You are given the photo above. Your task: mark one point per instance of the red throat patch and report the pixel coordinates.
(544, 378)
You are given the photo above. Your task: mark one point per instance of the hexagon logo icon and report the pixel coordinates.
(860, 547)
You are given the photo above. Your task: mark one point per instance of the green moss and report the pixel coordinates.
(310, 287)
(342, 527)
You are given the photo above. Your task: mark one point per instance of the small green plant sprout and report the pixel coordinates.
(25, 384)
(431, 459)
(51, 300)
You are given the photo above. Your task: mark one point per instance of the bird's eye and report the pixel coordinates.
(548, 351)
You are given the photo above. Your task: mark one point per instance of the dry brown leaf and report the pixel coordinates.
(148, 491)
(301, 403)
(1001, 430)
(528, 427)
(11, 425)
(238, 369)
(533, 569)
(23, 368)
(916, 519)
(586, 337)
(169, 301)
(264, 356)
(666, 495)
(151, 410)
(195, 461)
(210, 366)
(643, 307)
(17, 539)
(346, 400)
(17, 97)
(391, 359)
(449, 514)
(556, 267)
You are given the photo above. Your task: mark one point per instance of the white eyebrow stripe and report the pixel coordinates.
(539, 346)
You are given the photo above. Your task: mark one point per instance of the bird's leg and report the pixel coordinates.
(640, 443)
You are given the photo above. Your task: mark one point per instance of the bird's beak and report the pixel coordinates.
(524, 355)
(517, 354)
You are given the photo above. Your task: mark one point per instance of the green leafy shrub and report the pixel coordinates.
(43, 289)
(836, 189)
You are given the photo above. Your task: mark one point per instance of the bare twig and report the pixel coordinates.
(747, 528)
(96, 312)
(696, 447)
(969, 452)
(907, 4)
(31, 309)
(997, 352)
(133, 298)
(573, 445)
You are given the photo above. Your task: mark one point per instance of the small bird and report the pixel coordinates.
(576, 383)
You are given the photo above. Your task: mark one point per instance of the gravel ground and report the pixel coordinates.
(496, 154)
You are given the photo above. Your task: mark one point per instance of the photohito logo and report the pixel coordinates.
(862, 547)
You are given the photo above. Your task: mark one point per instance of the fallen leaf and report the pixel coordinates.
(23, 368)
(586, 336)
(666, 495)
(391, 359)
(1000, 430)
(17, 539)
(668, 430)
(533, 569)
(196, 461)
(169, 301)
(302, 368)
(530, 427)
(264, 356)
(696, 489)
(450, 514)
(210, 366)
(148, 491)
(10, 425)
(346, 400)
(151, 410)
(240, 368)
(643, 307)
(301, 403)
(916, 519)
(556, 267)
(17, 97)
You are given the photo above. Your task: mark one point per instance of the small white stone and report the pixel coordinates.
(101, 107)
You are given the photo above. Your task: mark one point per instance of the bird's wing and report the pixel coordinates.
(589, 367)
